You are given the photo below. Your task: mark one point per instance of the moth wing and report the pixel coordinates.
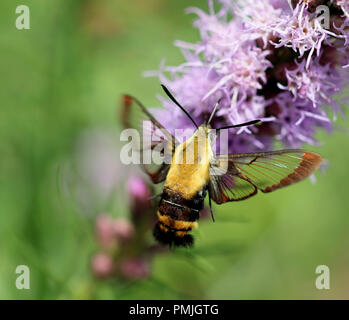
(156, 144)
(266, 171)
(228, 185)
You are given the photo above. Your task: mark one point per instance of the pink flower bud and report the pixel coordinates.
(138, 189)
(134, 268)
(105, 231)
(139, 194)
(102, 265)
(123, 230)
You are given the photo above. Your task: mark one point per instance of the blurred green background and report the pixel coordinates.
(63, 78)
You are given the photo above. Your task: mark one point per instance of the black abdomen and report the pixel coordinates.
(177, 216)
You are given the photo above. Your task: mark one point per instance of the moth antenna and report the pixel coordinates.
(177, 103)
(245, 124)
(213, 112)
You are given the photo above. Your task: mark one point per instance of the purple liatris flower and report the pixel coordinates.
(316, 83)
(344, 6)
(275, 60)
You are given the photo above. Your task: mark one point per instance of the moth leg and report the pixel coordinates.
(155, 196)
(210, 204)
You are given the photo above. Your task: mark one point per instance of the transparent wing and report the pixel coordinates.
(156, 144)
(229, 185)
(266, 171)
